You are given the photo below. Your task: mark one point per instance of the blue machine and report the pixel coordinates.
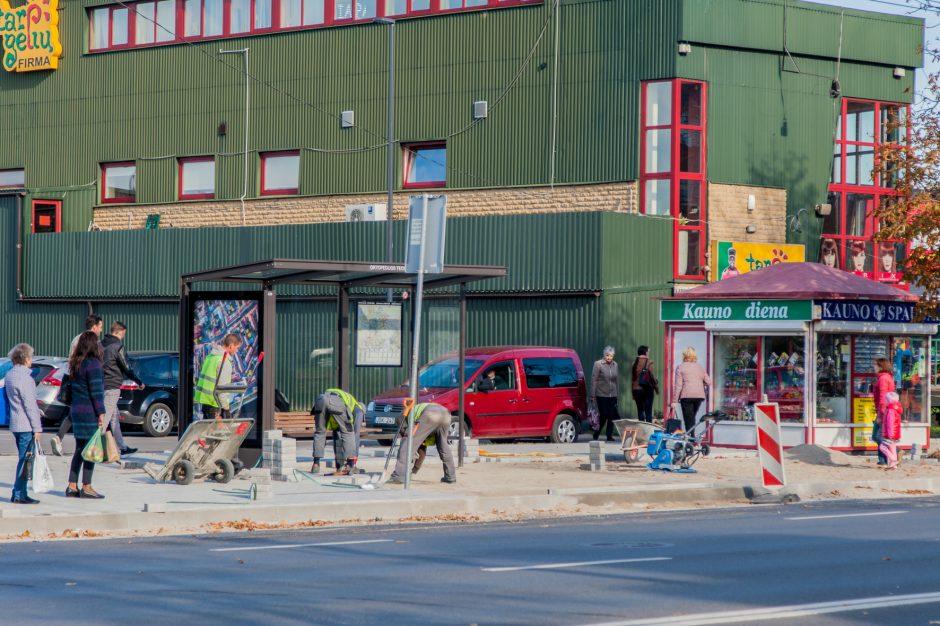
(677, 452)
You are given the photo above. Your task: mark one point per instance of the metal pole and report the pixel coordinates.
(244, 195)
(390, 164)
(419, 297)
(462, 355)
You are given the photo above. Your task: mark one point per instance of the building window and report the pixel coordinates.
(672, 166)
(857, 187)
(47, 216)
(425, 165)
(12, 179)
(157, 22)
(280, 173)
(118, 182)
(197, 178)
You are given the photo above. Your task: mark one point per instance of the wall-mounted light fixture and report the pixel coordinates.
(480, 109)
(750, 229)
(899, 72)
(347, 119)
(751, 202)
(684, 48)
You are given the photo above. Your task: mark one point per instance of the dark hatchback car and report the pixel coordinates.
(153, 407)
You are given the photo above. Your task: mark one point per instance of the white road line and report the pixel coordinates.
(303, 545)
(580, 564)
(783, 612)
(846, 515)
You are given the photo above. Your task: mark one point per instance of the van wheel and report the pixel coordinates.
(454, 432)
(564, 430)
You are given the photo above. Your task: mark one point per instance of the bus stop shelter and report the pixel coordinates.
(263, 279)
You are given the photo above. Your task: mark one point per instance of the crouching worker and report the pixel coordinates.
(431, 420)
(338, 411)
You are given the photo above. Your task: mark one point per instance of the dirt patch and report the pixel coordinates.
(817, 455)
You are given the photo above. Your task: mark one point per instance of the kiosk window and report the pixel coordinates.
(748, 367)
(736, 384)
(783, 365)
(910, 367)
(832, 378)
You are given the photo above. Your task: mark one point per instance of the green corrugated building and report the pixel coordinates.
(594, 147)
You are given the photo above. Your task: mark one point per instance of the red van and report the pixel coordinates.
(511, 391)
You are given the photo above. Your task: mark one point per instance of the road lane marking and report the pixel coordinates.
(289, 546)
(845, 515)
(579, 564)
(783, 612)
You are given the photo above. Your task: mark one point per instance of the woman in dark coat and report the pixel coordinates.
(87, 409)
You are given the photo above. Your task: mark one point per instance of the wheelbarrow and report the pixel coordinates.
(634, 437)
(205, 450)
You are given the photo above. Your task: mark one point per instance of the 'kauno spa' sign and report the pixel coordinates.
(30, 36)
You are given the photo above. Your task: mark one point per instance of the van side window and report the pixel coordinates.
(498, 377)
(542, 373)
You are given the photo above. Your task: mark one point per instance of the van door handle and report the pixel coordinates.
(525, 400)
(511, 402)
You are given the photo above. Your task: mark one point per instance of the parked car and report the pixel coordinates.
(39, 371)
(533, 392)
(52, 369)
(153, 407)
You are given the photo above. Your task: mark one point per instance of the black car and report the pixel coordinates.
(154, 406)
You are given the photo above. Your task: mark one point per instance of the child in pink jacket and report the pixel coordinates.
(891, 429)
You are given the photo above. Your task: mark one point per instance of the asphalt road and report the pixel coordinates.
(876, 557)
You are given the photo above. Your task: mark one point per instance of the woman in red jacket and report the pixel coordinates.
(884, 384)
(891, 429)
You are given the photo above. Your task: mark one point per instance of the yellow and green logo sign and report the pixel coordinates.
(30, 36)
(731, 258)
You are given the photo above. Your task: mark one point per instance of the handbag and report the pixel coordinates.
(26, 472)
(42, 474)
(594, 418)
(94, 451)
(65, 391)
(645, 376)
(112, 455)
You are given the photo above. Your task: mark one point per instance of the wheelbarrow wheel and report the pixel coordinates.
(631, 455)
(184, 472)
(225, 471)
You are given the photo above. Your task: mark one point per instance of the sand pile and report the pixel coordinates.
(818, 455)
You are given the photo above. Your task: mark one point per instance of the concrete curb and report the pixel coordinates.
(397, 508)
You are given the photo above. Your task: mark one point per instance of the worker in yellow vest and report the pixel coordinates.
(431, 420)
(216, 371)
(339, 411)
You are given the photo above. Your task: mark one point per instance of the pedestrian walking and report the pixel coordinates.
(891, 429)
(116, 370)
(95, 324)
(216, 371)
(430, 420)
(689, 386)
(24, 414)
(604, 392)
(339, 411)
(884, 384)
(645, 385)
(87, 409)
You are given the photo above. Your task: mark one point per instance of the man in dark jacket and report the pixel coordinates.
(116, 370)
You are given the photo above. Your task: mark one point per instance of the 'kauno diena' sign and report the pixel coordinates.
(30, 36)
(737, 310)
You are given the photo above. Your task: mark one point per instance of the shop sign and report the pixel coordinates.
(30, 36)
(866, 311)
(737, 310)
(731, 258)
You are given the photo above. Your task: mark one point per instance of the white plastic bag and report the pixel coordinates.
(42, 475)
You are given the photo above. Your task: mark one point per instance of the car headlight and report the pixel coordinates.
(371, 407)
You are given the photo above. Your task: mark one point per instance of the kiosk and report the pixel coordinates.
(807, 336)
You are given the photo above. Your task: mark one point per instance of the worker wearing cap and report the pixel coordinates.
(430, 420)
(339, 411)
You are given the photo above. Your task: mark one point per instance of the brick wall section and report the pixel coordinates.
(621, 197)
(728, 216)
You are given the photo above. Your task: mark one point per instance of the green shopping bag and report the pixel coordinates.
(94, 450)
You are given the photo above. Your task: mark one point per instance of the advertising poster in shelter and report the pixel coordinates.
(212, 321)
(732, 258)
(378, 334)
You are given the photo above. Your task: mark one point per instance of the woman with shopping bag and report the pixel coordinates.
(25, 418)
(87, 411)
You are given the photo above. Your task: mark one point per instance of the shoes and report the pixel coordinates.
(128, 450)
(72, 493)
(892, 466)
(395, 480)
(449, 479)
(56, 445)
(315, 468)
(88, 492)
(24, 500)
(341, 472)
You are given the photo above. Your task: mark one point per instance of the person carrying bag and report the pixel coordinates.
(25, 419)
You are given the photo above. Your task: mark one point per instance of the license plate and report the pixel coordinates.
(384, 419)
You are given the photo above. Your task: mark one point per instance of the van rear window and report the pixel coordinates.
(546, 372)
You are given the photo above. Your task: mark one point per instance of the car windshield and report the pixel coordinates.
(444, 373)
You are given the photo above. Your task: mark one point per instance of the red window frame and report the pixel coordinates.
(104, 177)
(408, 152)
(57, 204)
(264, 165)
(329, 19)
(878, 192)
(194, 196)
(675, 176)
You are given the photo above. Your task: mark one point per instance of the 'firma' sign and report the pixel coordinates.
(30, 36)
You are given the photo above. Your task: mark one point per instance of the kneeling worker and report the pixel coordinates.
(430, 420)
(338, 411)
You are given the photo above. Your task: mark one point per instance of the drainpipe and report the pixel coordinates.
(244, 51)
(19, 244)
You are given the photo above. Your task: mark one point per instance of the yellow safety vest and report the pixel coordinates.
(204, 392)
(418, 410)
(350, 403)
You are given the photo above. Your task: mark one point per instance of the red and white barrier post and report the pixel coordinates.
(769, 443)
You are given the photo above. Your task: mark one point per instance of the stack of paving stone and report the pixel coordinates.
(279, 455)
(596, 458)
(260, 483)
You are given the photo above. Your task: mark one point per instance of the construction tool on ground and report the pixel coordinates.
(206, 450)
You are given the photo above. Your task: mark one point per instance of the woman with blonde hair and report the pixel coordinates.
(689, 385)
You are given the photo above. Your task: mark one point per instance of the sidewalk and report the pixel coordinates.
(507, 487)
